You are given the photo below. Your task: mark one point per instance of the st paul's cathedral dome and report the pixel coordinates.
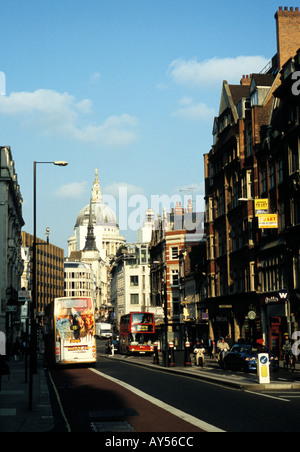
(104, 222)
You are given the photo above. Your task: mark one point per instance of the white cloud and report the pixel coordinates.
(214, 71)
(59, 114)
(194, 111)
(72, 190)
(115, 131)
(116, 188)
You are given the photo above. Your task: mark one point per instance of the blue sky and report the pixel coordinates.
(130, 87)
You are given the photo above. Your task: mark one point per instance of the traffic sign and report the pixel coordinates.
(263, 368)
(23, 296)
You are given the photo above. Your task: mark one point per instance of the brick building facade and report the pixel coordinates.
(174, 235)
(253, 273)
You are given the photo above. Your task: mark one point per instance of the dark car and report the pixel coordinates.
(244, 357)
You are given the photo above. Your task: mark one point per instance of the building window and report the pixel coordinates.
(249, 148)
(176, 305)
(222, 241)
(271, 176)
(295, 211)
(221, 203)
(134, 281)
(281, 216)
(134, 298)
(280, 171)
(273, 274)
(223, 281)
(254, 99)
(294, 156)
(174, 250)
(263, 180)
(236, 191)
(175, 278)
(143, 256)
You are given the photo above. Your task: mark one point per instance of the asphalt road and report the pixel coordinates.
(230, 410)
(86, 396)
(89, 401)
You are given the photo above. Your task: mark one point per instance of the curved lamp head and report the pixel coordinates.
(60, 163)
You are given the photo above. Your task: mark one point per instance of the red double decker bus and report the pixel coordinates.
(137, 333)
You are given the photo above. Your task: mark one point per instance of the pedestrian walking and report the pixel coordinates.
(211, 347)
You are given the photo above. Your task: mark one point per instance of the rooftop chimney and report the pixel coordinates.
(179, 209)
(288, 33)
(246, 80)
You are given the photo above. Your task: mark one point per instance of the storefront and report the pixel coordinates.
(276, 319)
(236, 317)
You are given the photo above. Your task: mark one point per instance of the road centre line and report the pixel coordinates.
(184, 416)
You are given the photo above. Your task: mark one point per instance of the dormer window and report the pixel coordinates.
(254, 98)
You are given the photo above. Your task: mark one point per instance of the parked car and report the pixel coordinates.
(244, 357)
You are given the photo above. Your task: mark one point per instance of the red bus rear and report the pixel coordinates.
(137, 333)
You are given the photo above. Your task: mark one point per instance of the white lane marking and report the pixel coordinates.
(268, 396)
(184, 416)
(60, 404)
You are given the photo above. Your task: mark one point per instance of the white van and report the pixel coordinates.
(104, 330)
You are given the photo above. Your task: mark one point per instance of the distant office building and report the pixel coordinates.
(50, 271)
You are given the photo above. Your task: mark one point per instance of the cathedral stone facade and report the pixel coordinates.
(95, 241)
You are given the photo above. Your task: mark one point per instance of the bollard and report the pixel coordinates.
(155, 356)
(187, 355)
(172, 355)
(263, 368)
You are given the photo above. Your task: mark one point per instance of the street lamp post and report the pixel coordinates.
(33, 304)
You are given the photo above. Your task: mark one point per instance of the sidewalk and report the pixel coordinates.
(212, 373)
(14, 413)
